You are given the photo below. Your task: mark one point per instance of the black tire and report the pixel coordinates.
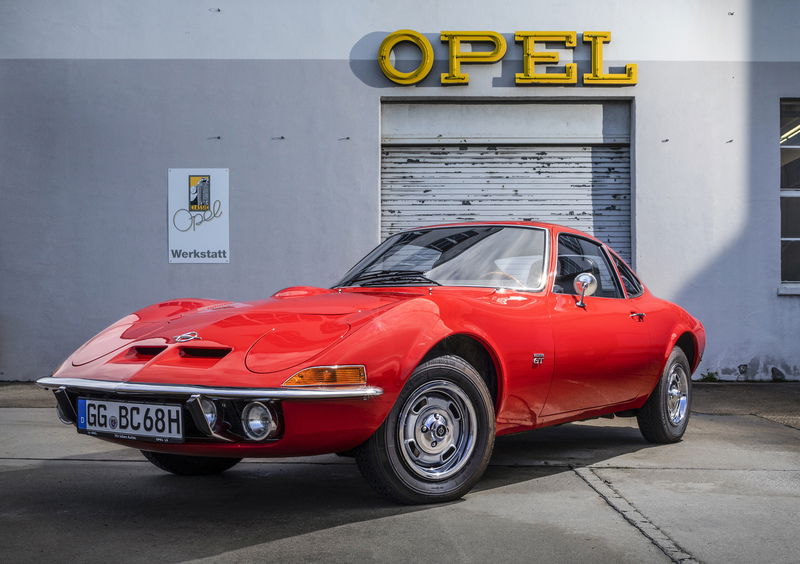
(665, 415)
(190, 465)
(436, 442)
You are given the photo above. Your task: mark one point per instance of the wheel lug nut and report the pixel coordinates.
(436, 416)
(424, 429)
(434, 443)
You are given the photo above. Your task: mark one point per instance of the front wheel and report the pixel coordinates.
(436, 442)
(190, 465)
(664, 416)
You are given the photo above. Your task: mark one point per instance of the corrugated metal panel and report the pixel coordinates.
(586, 187)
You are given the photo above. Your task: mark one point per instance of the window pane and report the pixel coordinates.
(790, 261)
(629, 280)
(577, 255)
(488, 256)
(790, 217)
(790, 122)
(790, 168)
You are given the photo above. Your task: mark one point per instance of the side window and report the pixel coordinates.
(632, 285)
(577, 255)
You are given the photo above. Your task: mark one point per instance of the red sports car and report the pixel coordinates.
(437, 341)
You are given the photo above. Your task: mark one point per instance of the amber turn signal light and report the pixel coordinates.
(329, 376)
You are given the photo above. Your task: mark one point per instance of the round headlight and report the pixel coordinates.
(257, 421)
(209, 411)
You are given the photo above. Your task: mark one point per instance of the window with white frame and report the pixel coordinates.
(790, 191)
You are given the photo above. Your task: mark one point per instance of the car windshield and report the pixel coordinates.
(490, 256)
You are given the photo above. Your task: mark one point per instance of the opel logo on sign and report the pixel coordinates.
(190, 336)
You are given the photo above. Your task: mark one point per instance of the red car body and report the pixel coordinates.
(551, 362)
(596, 360)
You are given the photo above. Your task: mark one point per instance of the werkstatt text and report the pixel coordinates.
(530, 57)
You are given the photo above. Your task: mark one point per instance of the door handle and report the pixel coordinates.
(638, 315)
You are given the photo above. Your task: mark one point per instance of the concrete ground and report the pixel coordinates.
(590, 492)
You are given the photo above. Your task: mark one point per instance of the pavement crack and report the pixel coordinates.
(780, 420)
(790, 420)
(636, 518)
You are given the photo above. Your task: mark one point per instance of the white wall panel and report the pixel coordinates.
(507, 122)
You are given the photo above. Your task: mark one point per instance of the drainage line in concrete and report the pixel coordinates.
(633, 516)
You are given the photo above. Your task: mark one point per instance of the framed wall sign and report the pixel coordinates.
(198, 213)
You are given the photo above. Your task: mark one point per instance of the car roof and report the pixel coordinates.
(549, 226)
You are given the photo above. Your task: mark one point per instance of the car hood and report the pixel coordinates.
(275, 334)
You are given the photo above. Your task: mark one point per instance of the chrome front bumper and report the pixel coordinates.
(179, 390)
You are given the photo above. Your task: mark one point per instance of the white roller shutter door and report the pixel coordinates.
(585, 186)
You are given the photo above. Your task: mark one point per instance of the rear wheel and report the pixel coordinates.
(663, 419)
(436, 442)
(190, 465)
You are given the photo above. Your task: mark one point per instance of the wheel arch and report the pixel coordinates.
(478, 354)
(688, 345)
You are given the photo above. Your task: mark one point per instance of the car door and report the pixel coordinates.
(650, 312)
(603, 350)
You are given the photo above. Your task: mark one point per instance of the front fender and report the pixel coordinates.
(390, 346)
(394, 343)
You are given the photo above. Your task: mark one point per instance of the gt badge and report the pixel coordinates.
(190, 336)
(538, 359)
(199, 193)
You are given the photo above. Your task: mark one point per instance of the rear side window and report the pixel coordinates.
(577, 255)
(632, 285)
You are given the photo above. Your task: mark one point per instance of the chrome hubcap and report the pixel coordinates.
(436, 430)
(677, 394)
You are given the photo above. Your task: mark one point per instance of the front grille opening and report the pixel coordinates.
(144, 353)
(203, 352)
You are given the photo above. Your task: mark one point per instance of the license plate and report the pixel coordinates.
(132, 421)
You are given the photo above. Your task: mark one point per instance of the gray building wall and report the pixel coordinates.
(99, 99)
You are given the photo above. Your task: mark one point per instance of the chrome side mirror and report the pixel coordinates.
(585, 284)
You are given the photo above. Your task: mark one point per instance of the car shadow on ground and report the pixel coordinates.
(551, 450)
(75, 507)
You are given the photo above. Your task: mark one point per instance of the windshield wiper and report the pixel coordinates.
(386, 277)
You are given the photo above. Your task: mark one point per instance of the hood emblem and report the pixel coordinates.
(190, 336)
